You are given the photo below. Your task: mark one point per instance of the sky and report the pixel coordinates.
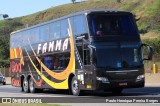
(17, 8)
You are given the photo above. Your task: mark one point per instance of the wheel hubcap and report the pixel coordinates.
(25, 85)
(31, 85)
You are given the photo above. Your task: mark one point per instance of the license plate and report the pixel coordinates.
(123, 84)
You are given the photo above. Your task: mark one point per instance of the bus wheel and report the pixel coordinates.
(75, 87)
(25, 86)
(117, 91)
(32, 89)
(22, 89)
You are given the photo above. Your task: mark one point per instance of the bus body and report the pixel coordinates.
(96, 49)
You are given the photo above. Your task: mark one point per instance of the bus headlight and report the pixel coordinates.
(103, 79)
(139, 78)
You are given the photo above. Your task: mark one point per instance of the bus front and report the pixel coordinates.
(116, 51)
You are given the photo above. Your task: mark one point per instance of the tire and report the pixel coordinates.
(32, 89)
(22, 89)
(25, 86)
(117, 91)
(4, 83)
(75, 87)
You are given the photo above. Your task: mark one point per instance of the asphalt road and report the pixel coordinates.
(96, 97)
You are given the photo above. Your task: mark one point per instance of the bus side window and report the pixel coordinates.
(55, 30)
(56, 61)
(61, 61)
(64, 61)
(64, 28)
(48, 62)
(44, 33)
(79, 25)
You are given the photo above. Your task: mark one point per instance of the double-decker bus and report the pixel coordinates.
(97, 49)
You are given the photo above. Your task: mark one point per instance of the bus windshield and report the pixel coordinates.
(105, 24)
(118, 55)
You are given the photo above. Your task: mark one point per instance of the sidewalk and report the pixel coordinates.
(152, 79)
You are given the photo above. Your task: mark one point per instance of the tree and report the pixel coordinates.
(119, 1)
(73, 1)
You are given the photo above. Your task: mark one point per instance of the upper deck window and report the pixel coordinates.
(55, 31)
(64, 28)
(79, 25)
(105, 24)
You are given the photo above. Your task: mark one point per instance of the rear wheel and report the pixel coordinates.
(25, 85)
(22, 89)
(31, 86)
(75, 87)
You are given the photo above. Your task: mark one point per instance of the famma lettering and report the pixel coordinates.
(58, 45)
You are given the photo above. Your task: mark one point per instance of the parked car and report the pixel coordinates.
(2, 79)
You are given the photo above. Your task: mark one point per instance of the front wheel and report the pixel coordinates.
(75, 87)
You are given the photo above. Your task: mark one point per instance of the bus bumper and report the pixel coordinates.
(109, 85)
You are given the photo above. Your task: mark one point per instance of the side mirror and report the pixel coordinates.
(93, 54)
(147, 52)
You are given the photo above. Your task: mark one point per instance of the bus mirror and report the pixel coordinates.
(147, 52)
(93, 53)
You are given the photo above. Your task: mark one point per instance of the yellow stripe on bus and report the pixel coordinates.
(12, 56)
(61, 85)
(21, 56)
(15, 53)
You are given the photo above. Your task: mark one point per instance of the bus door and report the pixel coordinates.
(84, 63)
